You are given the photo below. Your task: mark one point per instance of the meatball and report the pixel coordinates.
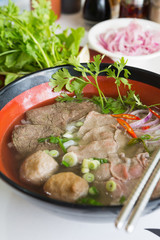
(66, 186)
(37, 168)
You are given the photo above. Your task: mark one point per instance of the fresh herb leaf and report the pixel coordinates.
(29, 42)
(115, 73)
(75, 84)
(66, 98)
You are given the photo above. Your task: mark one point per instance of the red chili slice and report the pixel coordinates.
(124, 124)
(156, 114)
(145, 127)
(126, 116)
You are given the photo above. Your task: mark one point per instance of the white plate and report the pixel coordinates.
(104, 26)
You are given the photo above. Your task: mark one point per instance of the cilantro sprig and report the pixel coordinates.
(62, 79)
(30, 41)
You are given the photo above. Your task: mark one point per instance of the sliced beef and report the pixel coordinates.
(97, 149)
(37, 168)
(102, 173)
(97, 137)
(97, 133)
(25, 137)
(66, 186)
(95, 119)
(121, 138)
(59, 114)
(124, 168)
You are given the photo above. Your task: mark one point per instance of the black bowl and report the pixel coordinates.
(21, 95)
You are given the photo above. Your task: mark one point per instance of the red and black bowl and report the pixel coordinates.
(33, 91)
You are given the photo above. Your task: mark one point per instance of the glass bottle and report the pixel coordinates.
(71, 6)
(154, 11)
(96, 10)
(134, 8)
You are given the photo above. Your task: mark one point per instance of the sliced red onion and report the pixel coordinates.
(139, 111)
(151, 123)
(139, 123)
(153, 142)
(133, 40)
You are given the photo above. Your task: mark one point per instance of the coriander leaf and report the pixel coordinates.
(60, 79)
(65, 98)
(10, 78)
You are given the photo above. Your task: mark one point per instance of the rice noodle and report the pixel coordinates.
(132, 40)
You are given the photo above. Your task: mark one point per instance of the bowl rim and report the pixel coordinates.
(107, 24)
(64, 204)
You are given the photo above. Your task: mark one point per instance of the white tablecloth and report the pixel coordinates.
(23, 218)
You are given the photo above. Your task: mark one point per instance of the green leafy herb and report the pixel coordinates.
(30, 41)
(56, 140)
(89, 75)
(89, 201)
(66, 98)
(122, 200)
(115, 73)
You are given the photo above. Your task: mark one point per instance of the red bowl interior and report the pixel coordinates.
(41, 95)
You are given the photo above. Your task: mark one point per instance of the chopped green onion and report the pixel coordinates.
(85, 163)
(79, 124)
(68, 135)
(85, 170)
(111, 186)
(122, 199)
(46, 151)
(89, 201)
(70, 158)
(93, 191)
(89, 177)
(101, 160)
(65, 164)
(93, 164)
(53, 153)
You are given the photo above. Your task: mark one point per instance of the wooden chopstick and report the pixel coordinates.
(143, 199)
(129, 204)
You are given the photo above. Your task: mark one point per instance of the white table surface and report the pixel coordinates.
(23, 218)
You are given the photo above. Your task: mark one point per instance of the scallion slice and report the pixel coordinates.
(53, 153)
(93, 164)
(70, 158)
(93, 191)
(79, 124)
(89, 177)
(111, 186)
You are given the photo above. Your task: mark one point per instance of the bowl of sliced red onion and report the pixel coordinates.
(137, 40)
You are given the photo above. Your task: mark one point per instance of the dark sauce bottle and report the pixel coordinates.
(134, 9)
(96, 10)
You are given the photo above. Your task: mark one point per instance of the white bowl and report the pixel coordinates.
(104, 26)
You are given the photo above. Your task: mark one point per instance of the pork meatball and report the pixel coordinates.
(37, 168)
(66, 186)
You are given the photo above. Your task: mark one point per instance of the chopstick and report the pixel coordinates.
(129, 204)
(144, 198)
